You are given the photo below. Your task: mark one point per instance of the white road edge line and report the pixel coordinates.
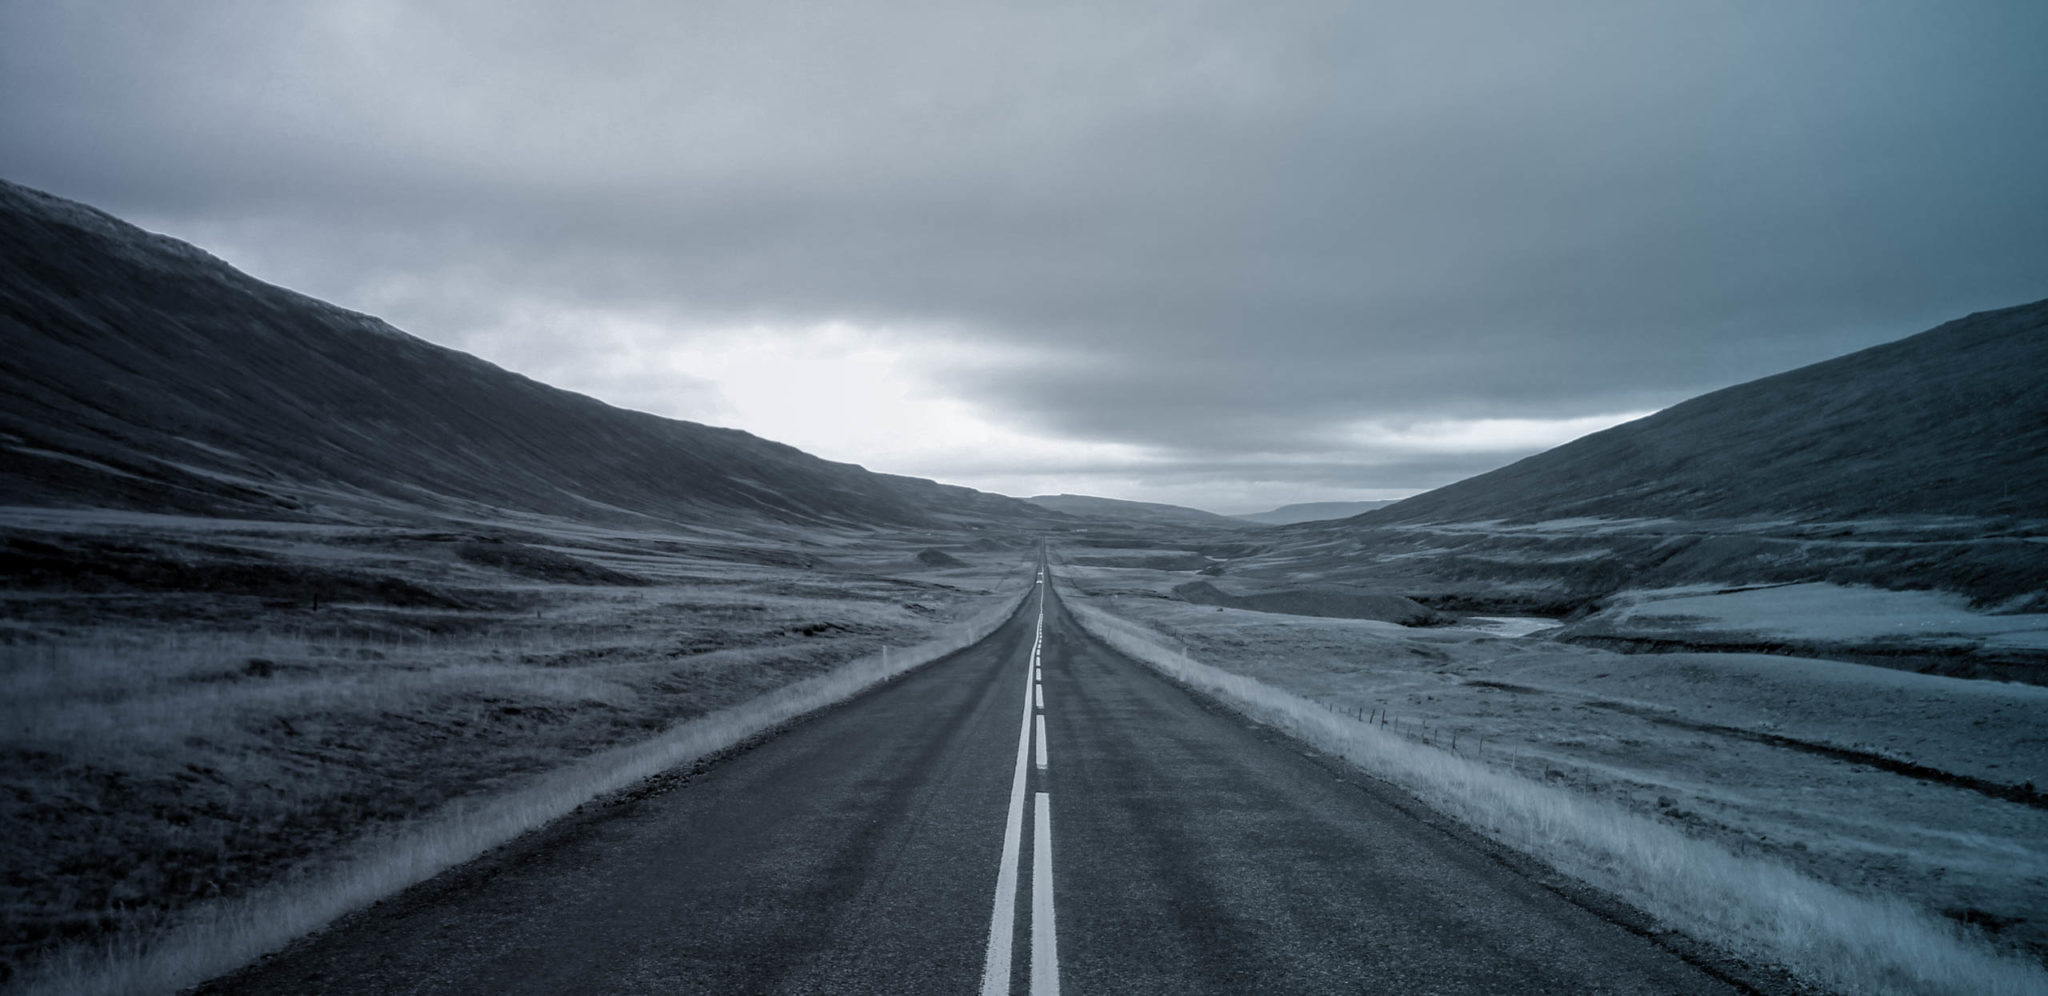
(1045, 948)
(1002, 926)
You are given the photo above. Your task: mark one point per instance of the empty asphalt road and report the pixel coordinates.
(1033, 814)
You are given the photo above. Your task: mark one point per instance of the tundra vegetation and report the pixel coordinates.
(203, 711)
(1869, 828)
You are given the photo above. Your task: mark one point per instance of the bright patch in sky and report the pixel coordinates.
(1483, 435)
(863, 395)
(866, 396)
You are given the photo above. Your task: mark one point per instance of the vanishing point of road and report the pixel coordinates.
(1034, 814)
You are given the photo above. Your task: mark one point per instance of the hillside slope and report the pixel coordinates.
(1953, 421)
(1312, 511)
(143, 373)
(1155, 513)
(1758, 518)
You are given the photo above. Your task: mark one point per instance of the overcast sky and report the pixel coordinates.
(1228, 255)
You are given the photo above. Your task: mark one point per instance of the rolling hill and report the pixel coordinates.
(1312, 511)
(142, 373)
(1918, 464)
(1146, 512)
(1949, 422)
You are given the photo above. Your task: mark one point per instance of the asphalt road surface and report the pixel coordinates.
(1034, 814)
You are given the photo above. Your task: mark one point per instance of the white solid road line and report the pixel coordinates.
(1041, 741)
(1045, 950)
(995, 972)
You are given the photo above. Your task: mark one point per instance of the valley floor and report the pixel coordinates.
(1883, 782)
(196, 709)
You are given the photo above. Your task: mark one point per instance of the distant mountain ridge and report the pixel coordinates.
(1952, 421)
(143, 373)
(1312, 511)
(1156, 513)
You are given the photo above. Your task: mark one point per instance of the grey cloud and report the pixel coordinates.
(1227, 226)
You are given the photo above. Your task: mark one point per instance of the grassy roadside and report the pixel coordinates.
(193, 768)
(1760, 909)
(216, 937)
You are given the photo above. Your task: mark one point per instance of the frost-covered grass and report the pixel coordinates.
(192, 712)
(210, 938)
(117, 692)
(1751, 904)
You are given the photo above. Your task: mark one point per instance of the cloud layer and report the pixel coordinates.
(1223, 254)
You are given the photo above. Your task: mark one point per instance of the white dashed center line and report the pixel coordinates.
(995, 973)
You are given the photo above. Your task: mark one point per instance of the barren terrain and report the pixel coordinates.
(1883, 782)
(198, 708)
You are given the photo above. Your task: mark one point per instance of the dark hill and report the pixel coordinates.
(139, 372)
(1953, 421)
(1917, 464)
